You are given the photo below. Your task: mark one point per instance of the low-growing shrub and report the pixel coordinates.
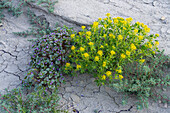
(144, 80)
(110, 45)
(47, 59)
(16, 101)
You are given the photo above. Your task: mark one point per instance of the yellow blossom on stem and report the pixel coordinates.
(91, 43)
(111, 36)
(108, 73)
(101, 46)
(133, 47)
(96, 58)
(83, 27)
(127, 53)
(156, 43)
(147, 30)
(104, 77)
(120, 37)
(78, 66)
(116, 21)
(149, 45)
(105, 25)
(142, 60)
(140, 37)
(123, 56)
(108, 14)
(129, 19)
(157, 35)
(72, 35)
(67, 64)
(86, 55)
(104, 64)
(100, 52)
(88, 33)
(104, 35)
(81, 49)
(119, 71)
(135, 31)
(72, 48)
(110, 21)
(100, 19)
(113, 47)
(120, 76)
(80, 33)
(112, 52)
(95, 24)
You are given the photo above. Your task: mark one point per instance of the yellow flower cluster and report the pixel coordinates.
(67, 64)
(142, 60)
(96, 58)
(100, 52)
(81, 49)
(156, 43)
(133, 47)
(140, 37)
(104, 77)
(78, 66)
(104, 64)
(86, 55)
(73, 48)
(119, 71)
(111, 36)
(72, 35)
(83, 27)
(95, 24)
(88, 33)
(112, 52)
(127, 53)
(123, 56)
(91, 43)
(108, 73)
(120, 37)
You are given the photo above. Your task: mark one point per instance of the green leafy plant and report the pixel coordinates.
(144, 80)
(40, 26)
(47, 59)
(41, 101)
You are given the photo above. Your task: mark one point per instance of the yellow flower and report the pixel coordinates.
(106, 44)
(123, 56)
(157, 35)
(80, 33)
(100, 52)
(104, 35)
(153, 52)
(124, 28)
(129, 19)
(72, 35)
(140, 37)
(112, 52)
(100, 19)
(67, 64)
(149, 45)
(116, 21)
(86, 55)
(104, 64)
(105, 19)
(83, 27)
(91, 43)
(120, 76)
(156, 43)
(142, 60)
(138, 23)
(105, 25)
(108, 14)
(88, 37)
(111, 35)
(96, 58)
(133, 47)
(72, 48)
(78, 66)
(120, 37)
(147, 30)
(81, 49)
(108, 73)
(135, 31)
(95, 24)
(128, 53)
(119, 71)
(113, 47)
(101, 46)
(88, 33)
(110, 21)
(103, 77)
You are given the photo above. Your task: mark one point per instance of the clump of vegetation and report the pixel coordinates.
(49, 55)
(41, 101)
(144, 80)
(110, 47)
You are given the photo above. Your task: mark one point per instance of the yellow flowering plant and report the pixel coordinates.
(111, 43)
(109, 47)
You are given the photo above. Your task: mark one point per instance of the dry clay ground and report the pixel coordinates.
(81, 93)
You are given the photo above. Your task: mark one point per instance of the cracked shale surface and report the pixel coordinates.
(80, 93)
